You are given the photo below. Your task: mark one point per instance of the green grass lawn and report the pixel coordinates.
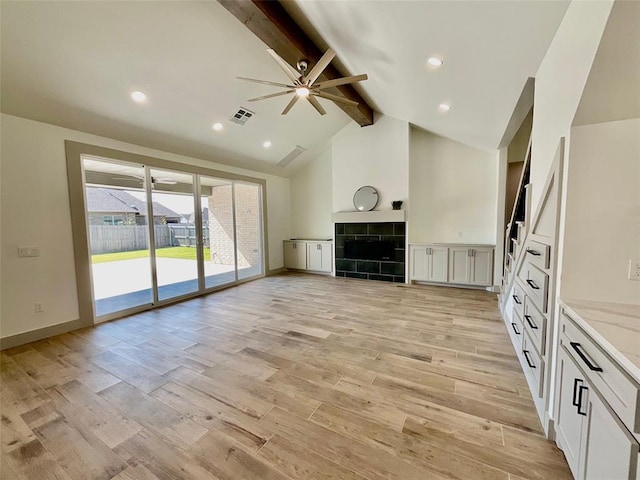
(186, 253)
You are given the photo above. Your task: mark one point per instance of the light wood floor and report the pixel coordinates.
(289, 377)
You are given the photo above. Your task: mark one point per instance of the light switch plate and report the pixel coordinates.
(25, 252)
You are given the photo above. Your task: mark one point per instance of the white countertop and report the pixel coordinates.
(615, 326)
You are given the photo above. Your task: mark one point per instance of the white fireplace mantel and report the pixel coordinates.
(374, 216)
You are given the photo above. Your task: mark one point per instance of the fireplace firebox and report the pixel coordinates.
(371, 251)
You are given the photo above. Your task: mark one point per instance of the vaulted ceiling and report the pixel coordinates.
(74, 64)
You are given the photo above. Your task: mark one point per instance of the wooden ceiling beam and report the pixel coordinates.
(271, 23)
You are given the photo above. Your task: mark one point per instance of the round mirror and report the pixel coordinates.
(365, 198)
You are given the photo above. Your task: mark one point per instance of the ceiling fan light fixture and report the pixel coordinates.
(435, 62)
(302, 92)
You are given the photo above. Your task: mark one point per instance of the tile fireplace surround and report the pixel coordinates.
(388, 266)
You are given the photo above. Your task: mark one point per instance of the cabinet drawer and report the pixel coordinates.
(517, 294)
(516, 325)
(538, 254)
(617, 389)
(535, 323)
(536, 285)
(535, 364)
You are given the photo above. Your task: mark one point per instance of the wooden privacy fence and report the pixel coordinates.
(125, 238)
(184, 234)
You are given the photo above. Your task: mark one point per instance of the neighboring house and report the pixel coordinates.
(191, 217)
(110, 206)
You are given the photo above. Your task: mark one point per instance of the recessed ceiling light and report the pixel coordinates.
(435, 62)
(217, 126)
(444, 107)
(302, 92)
(138, 96)
(266, 144)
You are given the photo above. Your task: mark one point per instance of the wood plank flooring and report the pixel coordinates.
(289, 377)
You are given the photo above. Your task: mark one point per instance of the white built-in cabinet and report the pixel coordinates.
(295, 255)
(309, 255)
(597, 439)
(456, 264)
(319, 256)
(429, 263)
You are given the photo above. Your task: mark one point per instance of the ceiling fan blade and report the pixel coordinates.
(335, 98)
(293, 101)
(265, 82)
(293, 74)
(316, 104)
(270, 96)
(340, 81)
(320, 66)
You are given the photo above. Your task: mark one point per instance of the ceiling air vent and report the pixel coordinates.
(291, 156)
(242, 116)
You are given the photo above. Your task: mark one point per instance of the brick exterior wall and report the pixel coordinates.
(247, 225)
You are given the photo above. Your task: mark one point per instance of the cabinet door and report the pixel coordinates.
(459, 265)
(319, 256)
(419, 262)
(569, 420)
(327, 257)
(481, 266)
(314, 256)
(438, 264)
(610, 450)
(295, 255)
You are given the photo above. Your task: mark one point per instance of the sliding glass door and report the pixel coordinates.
(217, 215)
(118, 230)
(175, 240)
(248, 215)
(156, 235)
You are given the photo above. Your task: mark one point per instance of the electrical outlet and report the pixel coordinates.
(634, 270)
(39, 307)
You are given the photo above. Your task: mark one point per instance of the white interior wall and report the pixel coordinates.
(35, 211)
(453, 189)
(377, 155)
(311, 199)
(602, 224)
(560, 81)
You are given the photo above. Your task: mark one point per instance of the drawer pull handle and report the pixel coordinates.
(581, 389)
(532, 284)
(531, 324)
(578, 348)
(516, 299)
(576, 401)
(513, 325)
(526, 357)
(535, 253)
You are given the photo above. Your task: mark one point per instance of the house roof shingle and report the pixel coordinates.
(114, 200)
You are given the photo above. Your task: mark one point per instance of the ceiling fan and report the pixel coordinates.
(303, 84)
